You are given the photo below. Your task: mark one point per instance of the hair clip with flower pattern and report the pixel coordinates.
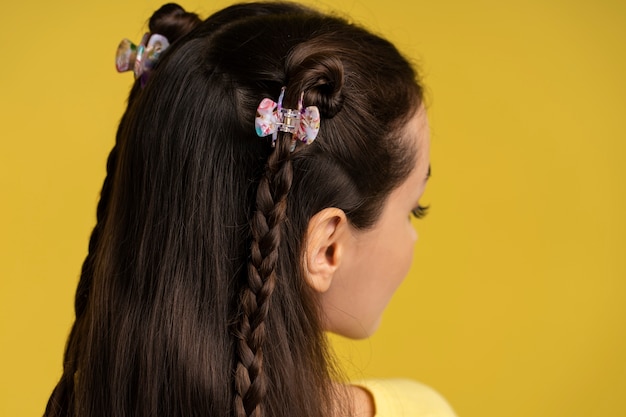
(303, 123)
(140, 58)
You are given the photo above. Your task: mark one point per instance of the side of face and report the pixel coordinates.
(366, 267)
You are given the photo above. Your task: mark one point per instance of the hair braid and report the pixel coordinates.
(61, 398)
(172, 21)
(266, 223)
(82, 291)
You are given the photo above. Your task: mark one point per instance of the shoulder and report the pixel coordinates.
(405, 398)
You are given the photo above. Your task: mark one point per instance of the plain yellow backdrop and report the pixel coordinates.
(516, 304)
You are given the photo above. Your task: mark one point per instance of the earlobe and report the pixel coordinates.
(324, 246)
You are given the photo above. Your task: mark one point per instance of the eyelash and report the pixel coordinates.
(419, 212)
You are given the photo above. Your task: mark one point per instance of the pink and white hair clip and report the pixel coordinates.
(140, 58)
(271, 118)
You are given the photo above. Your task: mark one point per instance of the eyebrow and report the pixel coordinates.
(427, 174)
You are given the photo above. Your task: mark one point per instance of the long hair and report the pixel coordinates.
(192, 300)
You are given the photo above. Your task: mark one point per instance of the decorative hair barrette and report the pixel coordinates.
(140, 58)
(302, 123)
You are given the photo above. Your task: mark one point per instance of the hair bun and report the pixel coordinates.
(172, 21)
(320, 77)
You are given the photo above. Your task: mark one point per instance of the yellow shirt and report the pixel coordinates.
(405, 398)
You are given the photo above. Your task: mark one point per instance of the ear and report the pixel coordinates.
(325, 242)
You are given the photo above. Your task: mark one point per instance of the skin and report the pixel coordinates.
(357, 272)
(372, 264)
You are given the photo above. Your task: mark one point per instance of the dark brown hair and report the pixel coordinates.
(192, 299)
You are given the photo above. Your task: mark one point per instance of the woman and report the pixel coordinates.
(258, 195)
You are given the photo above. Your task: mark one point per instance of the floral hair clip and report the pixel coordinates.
(271, 118)
(140, 58)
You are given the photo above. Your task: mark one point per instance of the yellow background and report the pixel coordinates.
(516, 305)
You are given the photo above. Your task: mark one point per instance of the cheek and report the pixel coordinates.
(397, 260)
(403, 244)
(413, 236)
(405, 258)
